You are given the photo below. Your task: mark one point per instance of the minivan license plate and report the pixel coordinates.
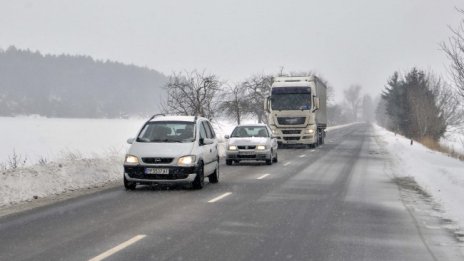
(156, 171)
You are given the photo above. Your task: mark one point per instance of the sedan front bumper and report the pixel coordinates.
(248, 155)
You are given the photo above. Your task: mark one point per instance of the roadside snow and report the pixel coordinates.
(438, 174)
(55, 178)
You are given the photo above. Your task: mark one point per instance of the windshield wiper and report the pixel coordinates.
(165, 140)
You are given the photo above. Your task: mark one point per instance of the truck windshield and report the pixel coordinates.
(291, 101)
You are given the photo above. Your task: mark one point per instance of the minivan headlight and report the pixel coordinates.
(261, 147)
(186, 160)
(131, 159)
(232, 147)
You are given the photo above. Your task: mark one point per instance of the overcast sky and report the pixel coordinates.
(348, 42)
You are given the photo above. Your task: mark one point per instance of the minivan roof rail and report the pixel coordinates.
(156, 115)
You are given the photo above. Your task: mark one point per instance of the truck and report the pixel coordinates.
(297, 110)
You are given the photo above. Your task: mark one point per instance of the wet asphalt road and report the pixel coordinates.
(337, 202)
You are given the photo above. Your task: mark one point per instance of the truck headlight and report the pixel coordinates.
(261, 147)
(186, 160)
(232, 147)
(131, 159)
(309, 131)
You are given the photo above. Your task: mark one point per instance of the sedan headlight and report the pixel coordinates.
(261, 147)
(309, 131)
(131, 159)
(232, 147)
(186, 160)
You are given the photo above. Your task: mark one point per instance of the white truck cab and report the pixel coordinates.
(297, 110)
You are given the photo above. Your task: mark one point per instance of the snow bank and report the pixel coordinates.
(54, 178)
(438, 174)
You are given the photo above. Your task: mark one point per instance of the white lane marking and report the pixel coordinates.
(263, 176)
(287, 163)
(117, 248)
(313, 150)
(302, 155)
(220, 197)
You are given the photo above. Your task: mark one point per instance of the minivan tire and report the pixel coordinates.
(214, 178)
(129, 185)
(199, 180)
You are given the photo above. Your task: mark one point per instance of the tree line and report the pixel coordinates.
(420, 105)
(75, 86)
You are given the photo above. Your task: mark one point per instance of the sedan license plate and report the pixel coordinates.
(247, 153)
(156, 171)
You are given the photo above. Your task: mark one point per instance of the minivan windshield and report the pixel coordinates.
(167, 131)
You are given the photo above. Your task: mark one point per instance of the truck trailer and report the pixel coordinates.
(297, 110)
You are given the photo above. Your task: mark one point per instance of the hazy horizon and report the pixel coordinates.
(356, 42)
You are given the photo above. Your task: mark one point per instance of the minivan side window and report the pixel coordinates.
(209, 135)
(213, 134)
(202, 131)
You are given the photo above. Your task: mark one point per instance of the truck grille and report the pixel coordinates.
(291, 131)
(291, 120)
(291, 138)
(157, 160)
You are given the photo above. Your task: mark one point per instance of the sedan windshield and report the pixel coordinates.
(167, 132)
(250, 131)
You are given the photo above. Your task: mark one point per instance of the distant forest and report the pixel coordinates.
(75, 86)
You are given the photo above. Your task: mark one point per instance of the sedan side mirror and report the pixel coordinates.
(131, 140)
(226, 137)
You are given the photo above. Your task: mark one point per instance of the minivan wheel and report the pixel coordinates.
(228, 162)
(129, 185)
(214, 178)
(199, 180)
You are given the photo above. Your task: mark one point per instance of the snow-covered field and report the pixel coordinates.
(63, 155)
(438, 174)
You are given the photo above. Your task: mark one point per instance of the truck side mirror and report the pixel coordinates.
(266, 104)
(316, 103)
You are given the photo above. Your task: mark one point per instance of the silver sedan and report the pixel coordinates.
(251, 142)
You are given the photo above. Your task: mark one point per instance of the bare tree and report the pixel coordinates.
(353, 99)
(192, 93)
(454, 49)
(451, 109)
(234, 103)
(257, 89)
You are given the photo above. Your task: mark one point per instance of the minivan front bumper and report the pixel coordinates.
(176, 175)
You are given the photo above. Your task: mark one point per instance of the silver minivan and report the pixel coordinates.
(172, 149)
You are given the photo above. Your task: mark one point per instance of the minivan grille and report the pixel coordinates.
(157, 160)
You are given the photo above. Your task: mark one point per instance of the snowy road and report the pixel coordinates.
(338, 202)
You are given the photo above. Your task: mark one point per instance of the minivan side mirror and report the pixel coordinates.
(226, 137)
(131, 140)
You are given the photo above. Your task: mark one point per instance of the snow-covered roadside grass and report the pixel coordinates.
(436, 173)
(26, 184)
